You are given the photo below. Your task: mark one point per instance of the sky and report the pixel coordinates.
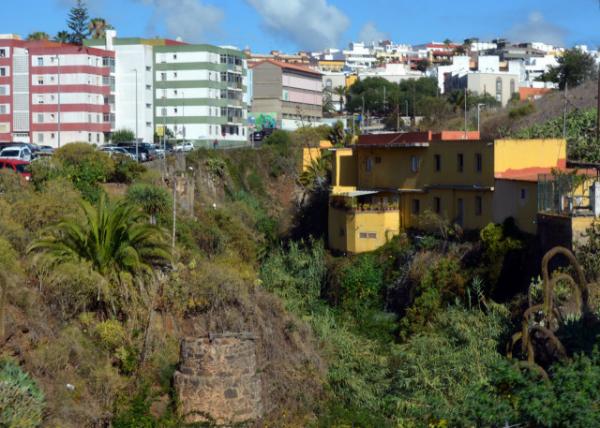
(294, 25)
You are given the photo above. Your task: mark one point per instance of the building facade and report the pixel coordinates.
(287, 95)
(391, 182)
(53, 94)
(199, 93)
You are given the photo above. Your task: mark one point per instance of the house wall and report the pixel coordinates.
(516, 199)
(534, 153)
(485, 83)
(344, 171)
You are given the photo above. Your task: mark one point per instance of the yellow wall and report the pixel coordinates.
(520, 154)
(312, 154)
(346, 227)
(508, 202)
(343, 172)
(394, 170)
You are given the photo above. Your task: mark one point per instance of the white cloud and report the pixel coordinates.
(369, 33)
(192, 20)
(537, 29)
(310, 24)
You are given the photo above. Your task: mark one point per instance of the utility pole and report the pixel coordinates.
(565, 110)
(478, 116)
(137, 149)
(598, 112)
(174, 212)
(465, 113)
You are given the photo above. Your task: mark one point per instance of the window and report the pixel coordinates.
(40, 118)
(478, 162)
(52, 136)
(149, 87)
(437, 205)
(163, 111)
(523, 194)
(2, 53)
(460, 162)
(40, 61)
(377, 159)
(175, 110)
(40, 80)
(40, 99)
(174, 56)
(89, 137)
(163, 76)
(97, 138)
(367, 235)
(3, 71)
(416, 206)
(369, 165)
(175, 92)
(148, 105)
(414, 163)
(499, 89)
(175, 75)
(40, 138)
(3, 108)
(4, 90)
(478, 205)
(148, 68)
(438, 162)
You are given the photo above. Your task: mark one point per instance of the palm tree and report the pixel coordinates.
(342, 92)
(38, 35)
(98, 27)
(113, 238)
(62, 37)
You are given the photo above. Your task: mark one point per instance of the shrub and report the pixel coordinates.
(521, 111)
(153, 200)
(21, 401)
(361, 284)
(123, 136)
(111, 334)
(126, 170)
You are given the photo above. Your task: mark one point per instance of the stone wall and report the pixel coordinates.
(217, 379)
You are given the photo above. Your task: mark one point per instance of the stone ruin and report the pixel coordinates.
(217, 379)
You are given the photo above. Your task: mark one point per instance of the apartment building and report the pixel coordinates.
(287, 94)
(391, 182)
(199, 93)
(54, 94)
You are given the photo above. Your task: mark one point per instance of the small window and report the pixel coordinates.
(97, 138)
(416, 206)
(40, 61)
(478, 205)
(40, 118)
(163, 111)
(478, 162)
(175, 110)
(40, 138)
(148, 68)
(377, 159)
(523, 194)
(414, 164)
(40, 80)
(163, 76)
(2, 53)
(3, 71)
(175, 75)
(369, 164)
(460, 161)
(367, 235)
(174, 56)
(438, 162)
(437, 205)
(89, 137)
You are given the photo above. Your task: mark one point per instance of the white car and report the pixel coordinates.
(117, 150)
(16, 152)
(184, 147)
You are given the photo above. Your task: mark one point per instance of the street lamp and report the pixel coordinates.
(478, 115)
(137, 150)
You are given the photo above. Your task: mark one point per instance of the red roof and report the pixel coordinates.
(286, 66)
(410, 139)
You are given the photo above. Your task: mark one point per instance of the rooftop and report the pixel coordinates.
(287, 66)
(414, 139)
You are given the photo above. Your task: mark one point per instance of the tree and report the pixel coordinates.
(38, 35)
(62, 37)
(78, 23)
(97, 28)
(574, 68)
(153, 200)
(342, 92)
(113, 237)
(423, 65)
(123, 136)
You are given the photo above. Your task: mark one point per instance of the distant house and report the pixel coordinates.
(388, 183)
(290, 95)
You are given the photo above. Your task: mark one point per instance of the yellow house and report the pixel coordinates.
(313, 154)
(391, 182)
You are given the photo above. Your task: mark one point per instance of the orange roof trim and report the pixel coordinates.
(287, 66)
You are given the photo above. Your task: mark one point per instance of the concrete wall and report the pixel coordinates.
(516, 199)
(535, 153)
(344, 171)
(217, 380)
(485, 83)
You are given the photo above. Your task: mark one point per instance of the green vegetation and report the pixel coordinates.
(414, 334)
(21, 401)
(122, 136)
(580, 133)
(574, 68)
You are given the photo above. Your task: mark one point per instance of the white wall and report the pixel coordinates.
(130, 58)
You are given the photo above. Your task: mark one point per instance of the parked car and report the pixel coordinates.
(147, 150)
(117, 150)
(16, 152)
(44, 151)
(20, 167)
(184, 147)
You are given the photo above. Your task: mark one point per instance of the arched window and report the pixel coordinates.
(499, 89)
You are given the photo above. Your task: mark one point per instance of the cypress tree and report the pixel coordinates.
(78, 23)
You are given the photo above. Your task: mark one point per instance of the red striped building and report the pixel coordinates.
(54, 94)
